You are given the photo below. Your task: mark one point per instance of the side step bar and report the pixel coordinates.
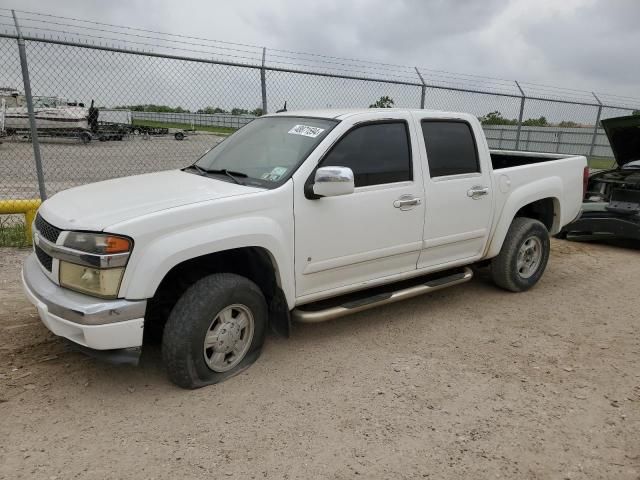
(316, 316)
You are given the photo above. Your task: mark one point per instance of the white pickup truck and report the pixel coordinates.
(303, 216)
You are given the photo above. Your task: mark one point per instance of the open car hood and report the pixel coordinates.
(624, 136)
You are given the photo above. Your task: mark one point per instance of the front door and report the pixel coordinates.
(458, 205)
(345, 242)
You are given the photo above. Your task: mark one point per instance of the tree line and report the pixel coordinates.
(496, 118)
(150, 107)
(491, 118)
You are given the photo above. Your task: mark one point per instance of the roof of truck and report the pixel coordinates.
(337, 113)
(342, 113)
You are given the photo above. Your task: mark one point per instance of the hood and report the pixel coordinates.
(624, 136)
(97, 205)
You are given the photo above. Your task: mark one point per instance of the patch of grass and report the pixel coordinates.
(13, 235)
(185, 126)
(601, 163)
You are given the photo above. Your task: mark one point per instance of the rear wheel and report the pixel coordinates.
(215, 331)
(179, 136)
(523, 257)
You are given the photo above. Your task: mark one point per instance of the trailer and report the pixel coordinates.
(121, 121)
(149, 131)
(100, 124)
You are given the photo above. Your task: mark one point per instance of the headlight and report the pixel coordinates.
(98, 243)
(93, 281)
(82, 271)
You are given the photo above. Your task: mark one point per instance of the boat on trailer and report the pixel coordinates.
(52, 114)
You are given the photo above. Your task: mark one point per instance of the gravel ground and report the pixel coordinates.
(469, 382)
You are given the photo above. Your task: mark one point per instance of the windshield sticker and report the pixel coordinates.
(306, 131)
(275, 174)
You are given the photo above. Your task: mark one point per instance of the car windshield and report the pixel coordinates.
(631, 165)
(266, 151)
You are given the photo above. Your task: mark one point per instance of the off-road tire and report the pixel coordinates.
(184, 333)
(504, 269)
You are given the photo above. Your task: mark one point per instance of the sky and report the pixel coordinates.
(583, 44)
(574, 46)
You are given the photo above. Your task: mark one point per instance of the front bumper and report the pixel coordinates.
(595, 219)
(606, 224)
(88, 321)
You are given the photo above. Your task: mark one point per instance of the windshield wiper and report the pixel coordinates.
(200, 170)
(229, 173)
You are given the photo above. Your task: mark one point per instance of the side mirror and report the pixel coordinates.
(333, 181)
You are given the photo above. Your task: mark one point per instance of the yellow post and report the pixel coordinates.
(28, 207)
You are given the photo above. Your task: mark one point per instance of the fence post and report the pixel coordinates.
(522, 97)
(559, 137)
(424, 88)
(32, 119)
(263, 82)
(595, 128)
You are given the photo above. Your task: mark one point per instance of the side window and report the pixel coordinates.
(377, 153)
(451, 148)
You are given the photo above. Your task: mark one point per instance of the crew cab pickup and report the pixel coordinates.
(302, 216)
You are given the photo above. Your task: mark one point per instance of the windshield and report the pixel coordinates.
(631, 165)
(48, 102)
(266, 151)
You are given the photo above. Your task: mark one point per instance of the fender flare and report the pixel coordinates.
(144, 275)
(521, 197)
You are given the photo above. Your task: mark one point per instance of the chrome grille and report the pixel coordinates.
(47, 230)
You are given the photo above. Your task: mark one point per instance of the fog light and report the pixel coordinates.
(93, 281)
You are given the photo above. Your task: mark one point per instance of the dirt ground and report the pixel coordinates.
(469, 382)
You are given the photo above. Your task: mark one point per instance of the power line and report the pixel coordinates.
(510, 82)
(320, 60)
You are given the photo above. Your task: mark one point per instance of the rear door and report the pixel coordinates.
(458, 199)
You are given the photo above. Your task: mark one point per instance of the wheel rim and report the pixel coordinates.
(228, 338)
(529, 257)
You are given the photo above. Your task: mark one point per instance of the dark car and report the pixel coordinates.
(612, 200)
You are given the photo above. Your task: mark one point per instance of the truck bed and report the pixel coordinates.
(513, 158)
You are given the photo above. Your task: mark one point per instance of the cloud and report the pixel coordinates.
(586, 44)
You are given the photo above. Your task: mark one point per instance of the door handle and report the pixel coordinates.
(477, 191)
(405, 202)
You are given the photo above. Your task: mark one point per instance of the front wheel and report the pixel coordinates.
(215, 330)
(523, 257)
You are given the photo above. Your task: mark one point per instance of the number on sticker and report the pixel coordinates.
(306, 131)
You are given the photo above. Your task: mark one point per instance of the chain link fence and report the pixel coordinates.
(106, 109)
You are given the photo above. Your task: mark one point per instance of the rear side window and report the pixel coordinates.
(451, 148)
(377, 153)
